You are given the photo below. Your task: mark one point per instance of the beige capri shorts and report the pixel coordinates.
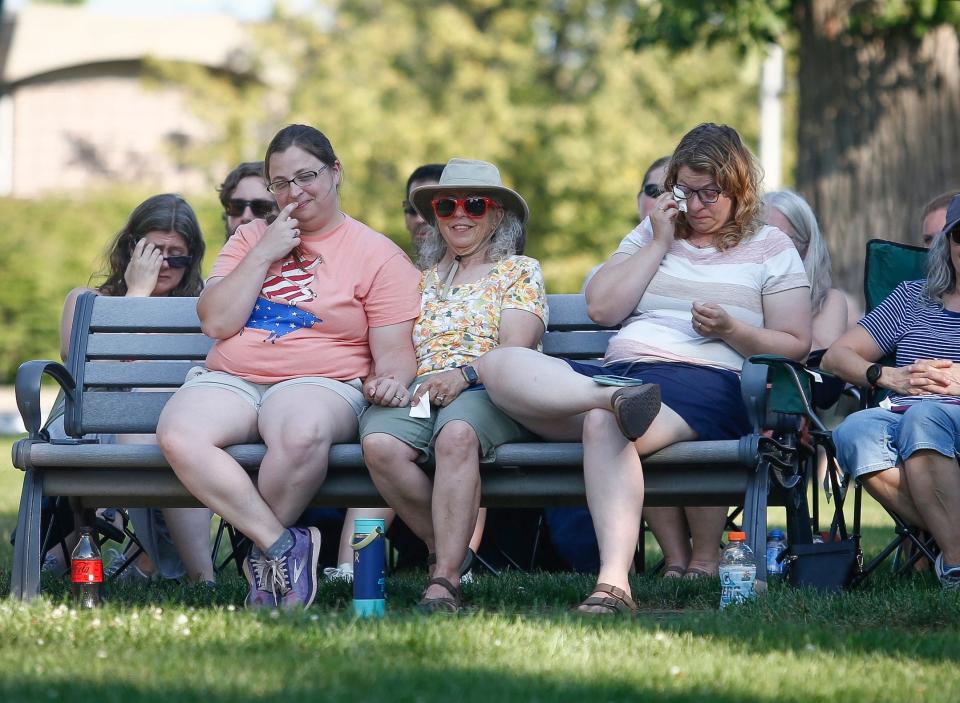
(257, 393)
(473, 406)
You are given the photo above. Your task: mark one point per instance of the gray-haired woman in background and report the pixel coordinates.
(791, 214)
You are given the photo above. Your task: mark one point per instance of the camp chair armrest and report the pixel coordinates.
(791, 386)
(29, 376)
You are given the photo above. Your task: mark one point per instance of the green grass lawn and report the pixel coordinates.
(893, 640)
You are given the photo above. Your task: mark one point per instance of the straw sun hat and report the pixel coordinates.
(477, 177)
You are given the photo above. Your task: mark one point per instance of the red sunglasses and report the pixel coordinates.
(474, 206)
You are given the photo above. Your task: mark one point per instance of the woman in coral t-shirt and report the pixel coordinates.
(313, 317)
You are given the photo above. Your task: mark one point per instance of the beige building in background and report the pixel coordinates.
(76, 112)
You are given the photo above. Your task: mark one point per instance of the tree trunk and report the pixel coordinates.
(879, 129)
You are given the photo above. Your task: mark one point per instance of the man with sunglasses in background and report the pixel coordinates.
(426, 175)
(245, 197)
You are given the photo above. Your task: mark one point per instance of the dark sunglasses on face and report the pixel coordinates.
(178, 262)
(260, 208)
(409, 209)
(652, 190)
(474, 206)
(955, 235)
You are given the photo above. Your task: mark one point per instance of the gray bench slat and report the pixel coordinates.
(567, 312)
(160, 374)
(116, 412)
(576, 345)
(148, 346)
(721, 454)
(145, 314)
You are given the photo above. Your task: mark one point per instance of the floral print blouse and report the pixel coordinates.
(453, 332)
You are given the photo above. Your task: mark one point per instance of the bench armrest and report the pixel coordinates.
(29, 376)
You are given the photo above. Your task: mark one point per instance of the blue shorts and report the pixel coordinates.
(877, 439)
(707, 399)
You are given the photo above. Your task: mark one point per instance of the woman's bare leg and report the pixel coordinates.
(934, 481)
(890, 488)
(669, 527)
(190, 532)
(614, 483)
(401, 482)
(193, 429)
(298, 424)
(456, 500)
(540, 392)
(706, 531)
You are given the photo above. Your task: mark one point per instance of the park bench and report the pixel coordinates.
(119, 344)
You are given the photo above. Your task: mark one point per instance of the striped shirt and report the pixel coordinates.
(914, 328)
(738, 279)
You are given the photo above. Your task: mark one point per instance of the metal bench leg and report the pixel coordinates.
(755, 520)
(25, 578)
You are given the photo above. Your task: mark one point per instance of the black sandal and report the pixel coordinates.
(452, 604)
(635, 408)
(616, 602)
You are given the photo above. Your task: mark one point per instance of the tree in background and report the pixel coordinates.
(550, 92)
(878, 123)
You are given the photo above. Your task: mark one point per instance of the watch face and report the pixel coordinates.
(470, 374)
(873, 374)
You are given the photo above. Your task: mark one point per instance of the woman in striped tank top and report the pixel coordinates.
(905, 451)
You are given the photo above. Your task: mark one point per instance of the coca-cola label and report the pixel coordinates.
(86, 571)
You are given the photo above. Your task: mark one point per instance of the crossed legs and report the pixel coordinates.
(298, 424)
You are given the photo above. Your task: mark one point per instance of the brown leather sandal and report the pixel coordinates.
(695, 572)
(674, 571)
(635, 408)
(616, 602)
(452, 605)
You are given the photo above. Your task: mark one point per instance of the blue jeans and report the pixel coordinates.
(877, 439)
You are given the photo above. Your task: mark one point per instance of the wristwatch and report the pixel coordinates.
(470, 375)
(873, 374)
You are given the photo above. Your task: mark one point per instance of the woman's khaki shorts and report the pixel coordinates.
(256, 393)
(492, 425)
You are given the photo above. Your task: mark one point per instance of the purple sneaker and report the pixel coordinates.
(255, 568)
(291, 580)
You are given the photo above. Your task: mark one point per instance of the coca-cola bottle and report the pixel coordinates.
(86, 570)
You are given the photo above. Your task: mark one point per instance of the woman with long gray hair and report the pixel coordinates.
(791, 214)
(478, 293)
(905, 454)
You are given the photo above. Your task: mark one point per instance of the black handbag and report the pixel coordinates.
(830, 565)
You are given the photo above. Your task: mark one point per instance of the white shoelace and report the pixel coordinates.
(271, 575)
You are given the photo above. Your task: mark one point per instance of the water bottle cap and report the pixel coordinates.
(737, 536)
(776, 534)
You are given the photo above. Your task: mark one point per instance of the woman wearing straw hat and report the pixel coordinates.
(478, 293)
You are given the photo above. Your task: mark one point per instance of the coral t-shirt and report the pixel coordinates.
(313, 316)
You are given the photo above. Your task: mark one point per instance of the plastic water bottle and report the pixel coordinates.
(86, 570)
(738, 571)
(776, 545)
(369, 559)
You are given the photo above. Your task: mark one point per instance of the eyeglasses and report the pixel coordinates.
(955, 235)
(281, 185)
(474, 206)
(178, 262)
(708, 196)
(652, 190)
(260, 208)
(409, 209)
